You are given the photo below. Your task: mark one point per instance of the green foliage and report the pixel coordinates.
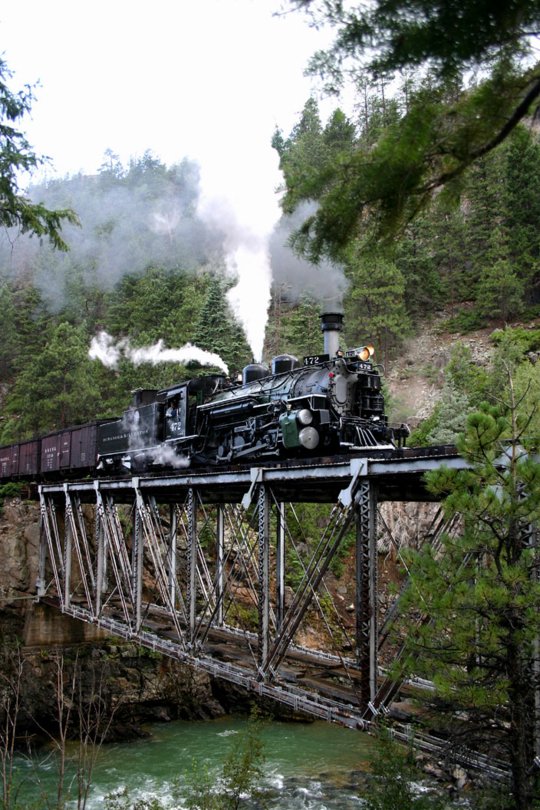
(376, 301)
(159, 304)
(481, 592)
(217, 331)
(16, 157)
(395, 773)
(466, 386)
(305, 523)
(452, 412)
(420, 435)
(528, 340)
(444, 125)
(296, 329)
(56, 388)
(11, 490)
(500, 292)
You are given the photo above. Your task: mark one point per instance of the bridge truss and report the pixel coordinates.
(215, 570)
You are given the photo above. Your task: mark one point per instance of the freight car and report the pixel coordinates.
(332, 403)
(64, 453)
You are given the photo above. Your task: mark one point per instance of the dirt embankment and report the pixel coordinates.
(416, 377)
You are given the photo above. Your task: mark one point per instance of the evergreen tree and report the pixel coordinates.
(500, 292)
(522, 208)
(418, 257)
(8, 346)
(56, 388)
(448, 123)
(17, 157)
(308, 157)
(218, 331)
(301, 329)
(376, 302)
(452, 411)
(482, 596)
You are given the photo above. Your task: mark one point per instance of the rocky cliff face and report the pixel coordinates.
(415, 378)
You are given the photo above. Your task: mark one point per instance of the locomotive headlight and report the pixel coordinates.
(305, 417)
(308, 438)
(366, 352)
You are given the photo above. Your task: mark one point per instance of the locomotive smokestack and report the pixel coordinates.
(331, 326)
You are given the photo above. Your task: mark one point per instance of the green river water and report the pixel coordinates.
(315, 765)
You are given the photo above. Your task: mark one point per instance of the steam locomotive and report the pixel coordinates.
(332, 403)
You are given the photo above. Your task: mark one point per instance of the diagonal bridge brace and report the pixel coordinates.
(340, 521)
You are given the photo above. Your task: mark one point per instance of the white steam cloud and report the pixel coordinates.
(295, 275)
(166, 456)
(109, 352)
(245, 218)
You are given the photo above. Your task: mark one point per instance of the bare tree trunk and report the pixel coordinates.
(10, 686)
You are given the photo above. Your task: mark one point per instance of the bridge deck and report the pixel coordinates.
(398, 474)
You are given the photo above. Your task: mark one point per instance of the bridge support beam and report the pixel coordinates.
(220, 559)
(264, 577)
(280, 563)
(366, 590)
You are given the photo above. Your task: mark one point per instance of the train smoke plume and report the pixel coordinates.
(104, 348)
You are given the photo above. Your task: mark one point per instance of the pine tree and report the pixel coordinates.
(56, 388)
(482, 596)
(16, 158)
(522, 208)
(301, 329)
(376, 304)
(218, 331)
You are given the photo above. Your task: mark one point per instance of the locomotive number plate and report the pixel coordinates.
(314, 359)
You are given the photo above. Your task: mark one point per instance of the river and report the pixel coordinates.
(310, 766)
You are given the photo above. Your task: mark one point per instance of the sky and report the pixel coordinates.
(205, 79)
(208, 79)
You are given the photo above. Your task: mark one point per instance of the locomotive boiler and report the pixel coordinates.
(329, 403)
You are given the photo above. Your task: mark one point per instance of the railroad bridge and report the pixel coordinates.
(196, 565)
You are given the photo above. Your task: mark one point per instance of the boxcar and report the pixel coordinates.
(29, 457)
(56, 451)
(84, 447)
(9, 461)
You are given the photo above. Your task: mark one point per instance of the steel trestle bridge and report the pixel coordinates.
(195, 565)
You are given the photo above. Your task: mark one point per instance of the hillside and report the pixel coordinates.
(416, 376)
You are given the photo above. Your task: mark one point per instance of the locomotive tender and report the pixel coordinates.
(331, 404)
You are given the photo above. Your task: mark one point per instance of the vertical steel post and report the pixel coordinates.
(192, 563)
(101, 566)
(220, 556)
(137, 564)
(280, 564)
(366, 591)
(172, 553)
(68, 545)
(41, 585)
(264, 576)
